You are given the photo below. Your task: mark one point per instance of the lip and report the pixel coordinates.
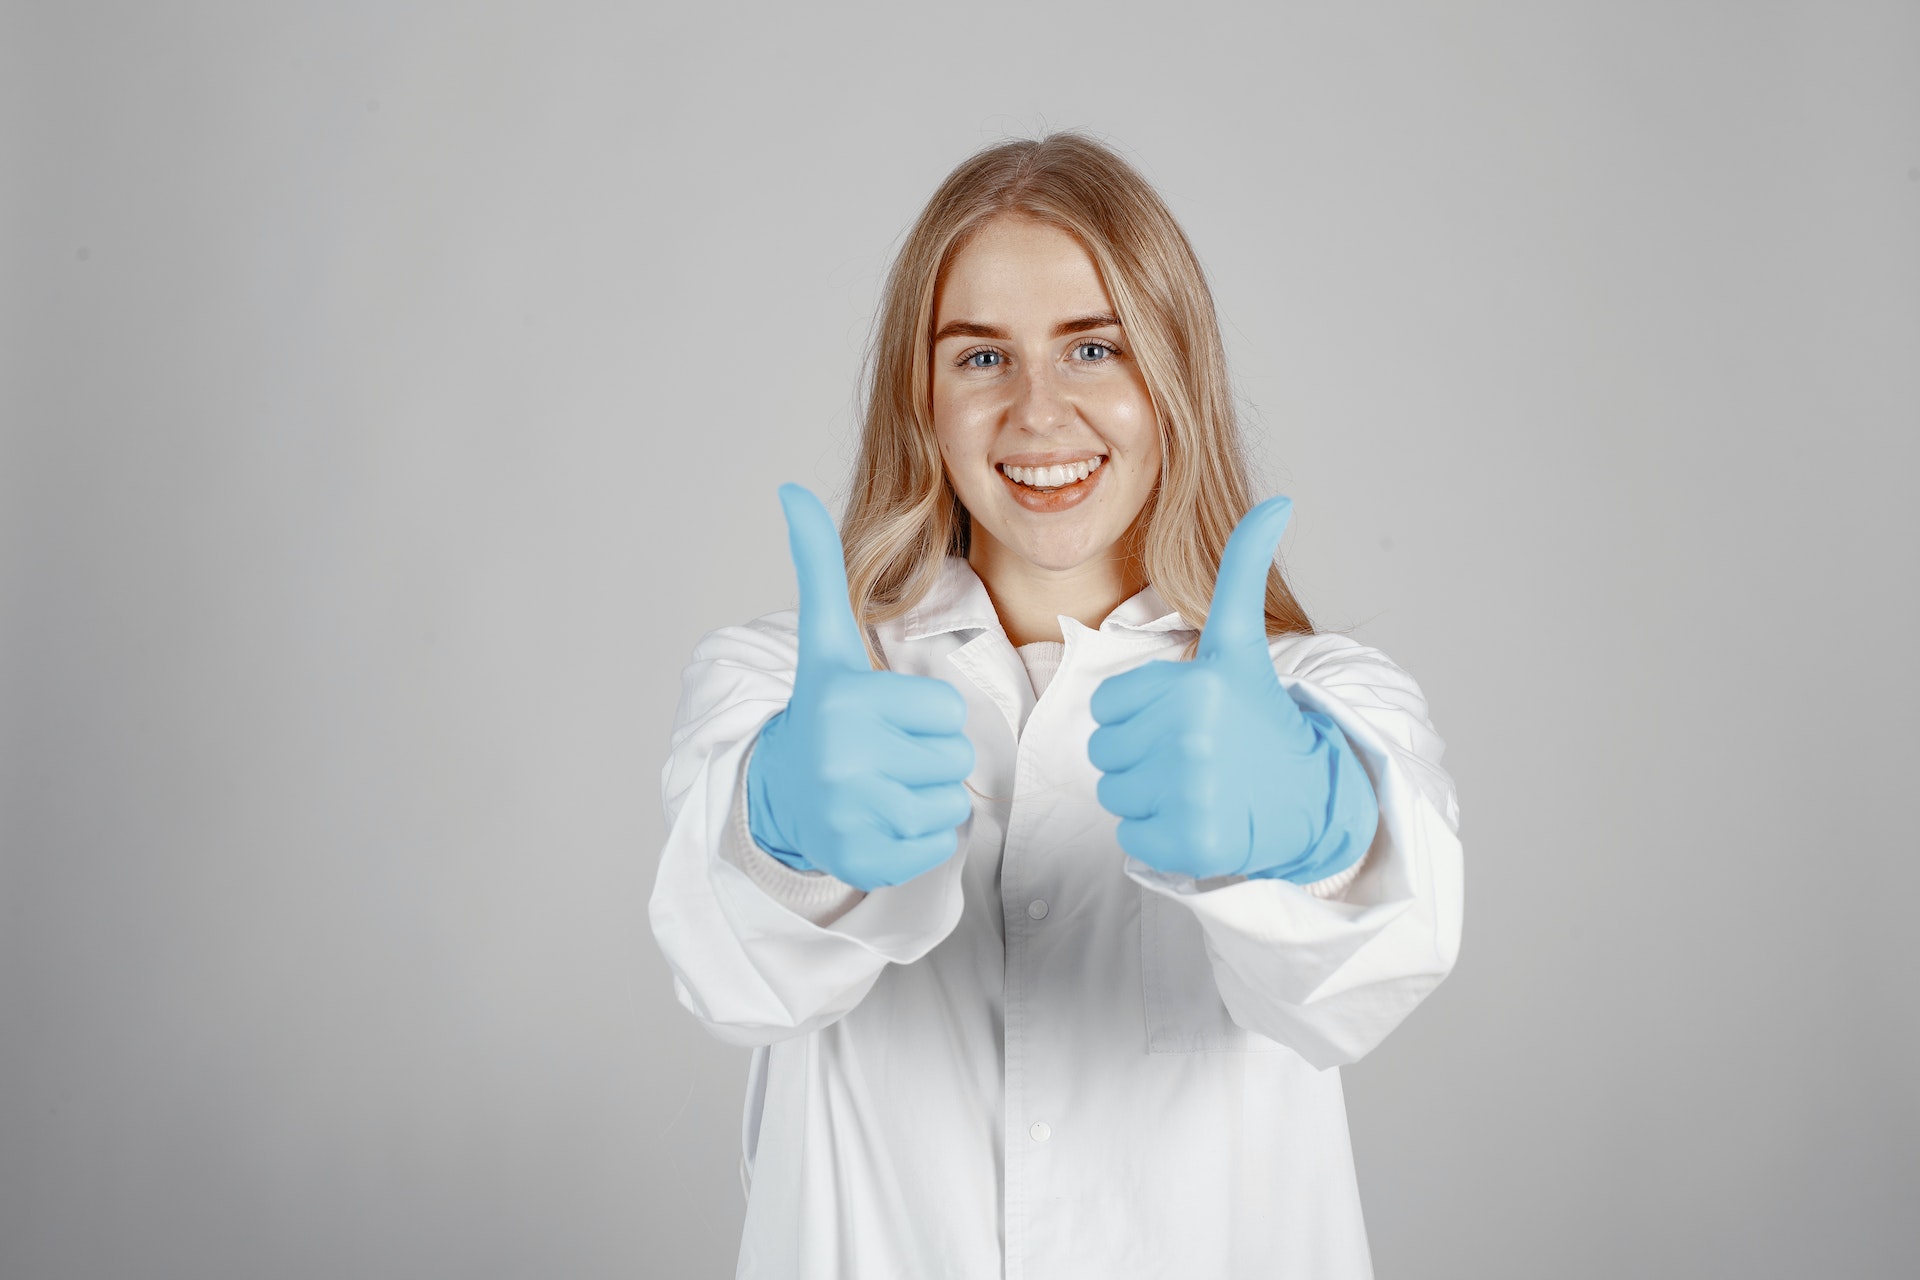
(1059, 499)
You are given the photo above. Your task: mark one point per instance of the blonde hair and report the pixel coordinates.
(903, 517)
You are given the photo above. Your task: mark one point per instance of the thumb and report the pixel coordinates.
(828, 632)
(1237, 615)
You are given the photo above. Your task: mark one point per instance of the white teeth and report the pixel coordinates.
(1052, 477)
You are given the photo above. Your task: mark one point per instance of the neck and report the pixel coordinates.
(1030, 598)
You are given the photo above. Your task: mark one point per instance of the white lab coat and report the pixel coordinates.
(1045, 1059)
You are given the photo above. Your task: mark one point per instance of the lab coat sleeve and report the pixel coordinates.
(1330, 973)
(756, 958)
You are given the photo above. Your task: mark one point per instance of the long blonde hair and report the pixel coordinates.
(903, 517)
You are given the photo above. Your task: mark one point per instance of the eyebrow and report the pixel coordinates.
(974, 329)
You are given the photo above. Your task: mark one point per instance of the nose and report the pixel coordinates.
(1040, 404)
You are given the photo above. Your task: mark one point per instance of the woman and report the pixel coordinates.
(1048, 861)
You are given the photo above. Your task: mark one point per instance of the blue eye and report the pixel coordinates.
(972, 359)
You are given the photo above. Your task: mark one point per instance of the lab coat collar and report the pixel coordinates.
(959, 601)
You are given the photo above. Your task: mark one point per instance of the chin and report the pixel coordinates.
(1057, 558)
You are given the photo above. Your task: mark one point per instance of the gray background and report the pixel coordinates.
(394, 394)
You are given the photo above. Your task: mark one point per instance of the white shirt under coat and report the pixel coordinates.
(1044, 1059)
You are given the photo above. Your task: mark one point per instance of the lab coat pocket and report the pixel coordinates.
(1184, 1011)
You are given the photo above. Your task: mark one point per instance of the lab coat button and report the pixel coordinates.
(1037, 908)
(1041, 1132)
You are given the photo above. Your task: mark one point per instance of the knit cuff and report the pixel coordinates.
(1335, 886)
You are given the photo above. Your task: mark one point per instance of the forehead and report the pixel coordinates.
(1016, 267)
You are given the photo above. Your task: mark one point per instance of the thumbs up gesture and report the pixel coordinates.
(1210, 765)
(861, 776)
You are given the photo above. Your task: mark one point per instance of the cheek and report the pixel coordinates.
(946, 422)
(1135, 426)
(956, 431)
(951, 450)
(954, 454)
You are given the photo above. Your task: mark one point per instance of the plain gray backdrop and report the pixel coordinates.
(394, 393)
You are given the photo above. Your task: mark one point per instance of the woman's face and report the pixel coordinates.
(1031, 369)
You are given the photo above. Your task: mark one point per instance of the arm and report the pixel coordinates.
(758, 962)
(1330, 973)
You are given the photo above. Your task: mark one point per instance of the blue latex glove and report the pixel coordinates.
(862, 775)
(1210, 765)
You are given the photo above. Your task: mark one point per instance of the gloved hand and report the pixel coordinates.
(1210, 765)
(861, 776)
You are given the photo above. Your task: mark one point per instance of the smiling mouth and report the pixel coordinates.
(1051, 479)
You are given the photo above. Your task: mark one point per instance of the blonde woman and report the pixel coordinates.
(1048, 861)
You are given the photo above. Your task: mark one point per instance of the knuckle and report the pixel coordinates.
(956, 701)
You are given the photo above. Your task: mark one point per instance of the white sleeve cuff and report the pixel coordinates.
(1334, 887)
(814, 896)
